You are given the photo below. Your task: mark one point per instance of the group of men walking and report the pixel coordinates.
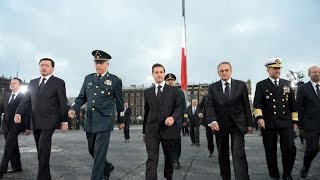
(225, 111)
(228, 113)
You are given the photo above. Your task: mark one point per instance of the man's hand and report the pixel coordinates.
(27, 132)
(17, 118)
(215, 126)
(121, 126)
(64, 126)
(261, 123)
(249, 130)
(169, 121)
(200, 115)
(144, 138)
(71, 113)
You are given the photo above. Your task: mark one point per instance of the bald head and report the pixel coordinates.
(314, 73)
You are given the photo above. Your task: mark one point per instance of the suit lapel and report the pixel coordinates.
(271, 86)
(311, 89)
(234, 86)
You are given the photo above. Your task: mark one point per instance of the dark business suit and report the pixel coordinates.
(157, 109)
(194, 124)
(127, 122)
(276, 105)
(177, 153)
(49, 109)
(204, 122)
(308, 103)
(233, 117)
(11, 131)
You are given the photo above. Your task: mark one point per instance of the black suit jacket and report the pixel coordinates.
(238, 107)
(308, 107)
(9, 112)
(194, 119)
(49, 108)
(157, 110)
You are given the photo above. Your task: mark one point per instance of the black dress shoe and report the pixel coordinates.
(303, 172)
(192, 144)
(210, 154)
(107, 170)
(177, 164)
(289, 177)
(15, 170)
(198, 144)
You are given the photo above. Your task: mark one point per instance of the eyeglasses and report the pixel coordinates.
(224, 70)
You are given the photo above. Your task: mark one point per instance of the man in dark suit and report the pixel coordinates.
(11, 130)
(47, 98)
(194, 114)
(228, 112)
(204, 122)
(275, 111)
(162, 109)
(308, 102)
(171, 81)
(102, 91)
(127, 122)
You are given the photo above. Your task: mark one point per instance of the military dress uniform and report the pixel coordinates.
(275, 104)
(102, 95)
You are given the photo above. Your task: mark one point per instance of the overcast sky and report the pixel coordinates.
(139, 33)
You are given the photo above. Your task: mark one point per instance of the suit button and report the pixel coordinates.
(274, 112)
(282, 99)
(283, 112)
(274, 100)
(92, 109)
(95, 94)
(97, 86)
(274, 106)
(93, 101)
(284, 106)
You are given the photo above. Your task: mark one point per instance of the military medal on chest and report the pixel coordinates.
(108, 82)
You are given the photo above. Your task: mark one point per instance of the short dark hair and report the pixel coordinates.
(20, 81)
(224, 62)
(47, 59)
(158, 65)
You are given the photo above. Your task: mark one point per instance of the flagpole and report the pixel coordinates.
(184, 80)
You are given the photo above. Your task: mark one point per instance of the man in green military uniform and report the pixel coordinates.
(102, 92)
(276, 113)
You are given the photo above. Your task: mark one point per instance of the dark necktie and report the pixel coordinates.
(227, 91)
(42, 84)
(159, 91)
(276, 83)
(12, 99)
(318, 90)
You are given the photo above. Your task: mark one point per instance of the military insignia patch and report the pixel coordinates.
(286, 89)
(108, 82)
